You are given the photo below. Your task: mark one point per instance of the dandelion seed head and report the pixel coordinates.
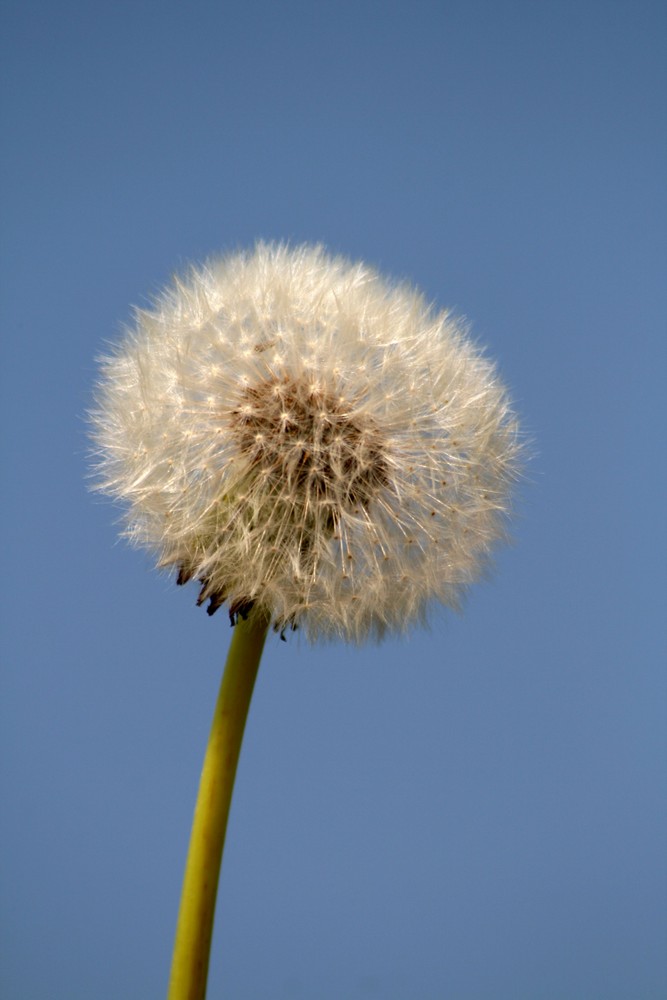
(296, 432)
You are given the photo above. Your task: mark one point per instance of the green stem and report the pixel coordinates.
(189, 967)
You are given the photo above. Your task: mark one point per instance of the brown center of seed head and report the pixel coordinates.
(311, 443)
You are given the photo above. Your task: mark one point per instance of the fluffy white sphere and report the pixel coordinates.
(299, 434)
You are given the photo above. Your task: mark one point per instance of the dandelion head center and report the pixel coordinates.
(312, 441)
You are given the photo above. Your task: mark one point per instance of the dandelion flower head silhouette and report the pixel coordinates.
(299, 434)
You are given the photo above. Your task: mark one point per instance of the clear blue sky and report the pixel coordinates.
(477, 813)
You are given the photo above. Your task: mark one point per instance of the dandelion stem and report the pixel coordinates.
(189, 968)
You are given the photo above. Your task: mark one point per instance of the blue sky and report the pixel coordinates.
(476, 813)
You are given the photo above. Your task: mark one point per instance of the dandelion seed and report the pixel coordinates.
(279, 410)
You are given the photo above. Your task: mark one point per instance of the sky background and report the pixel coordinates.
(477, 812)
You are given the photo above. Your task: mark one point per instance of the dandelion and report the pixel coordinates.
(301, 436)
(318, 448)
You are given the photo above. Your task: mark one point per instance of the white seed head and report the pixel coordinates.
(299, 434)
